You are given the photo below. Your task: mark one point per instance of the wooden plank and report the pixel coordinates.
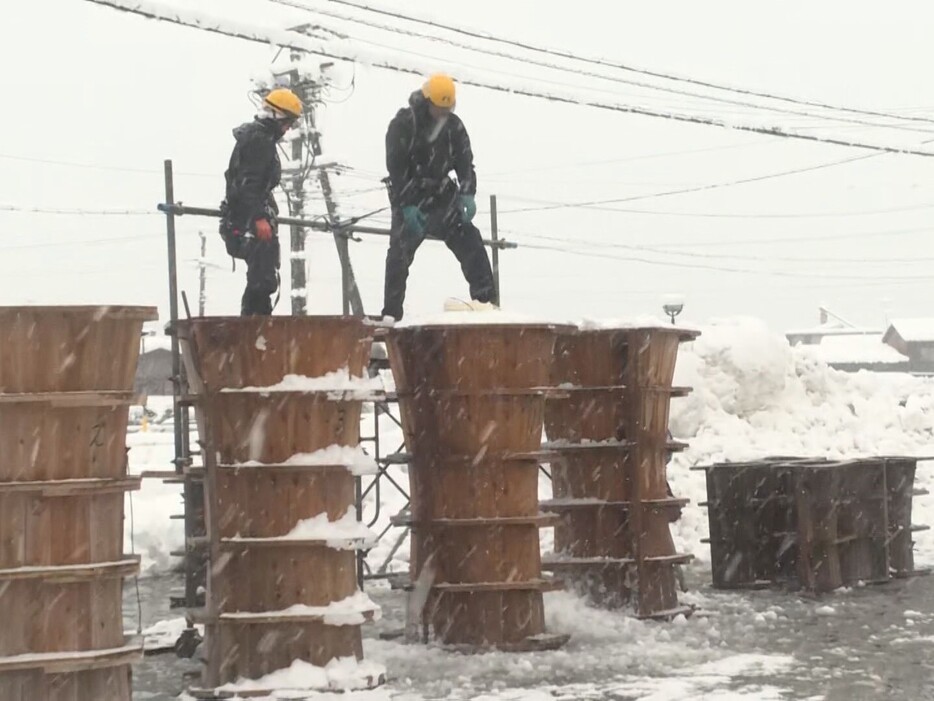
(73, 487)
(71, 399)
(540, 521)
(573, 504)
(598, 562)
(540, 585)
(75, 661)
(127, 567)
(353, 543)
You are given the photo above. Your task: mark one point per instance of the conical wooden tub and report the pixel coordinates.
(66, 383)
(280, 589)
(610, 428)
(472, 400)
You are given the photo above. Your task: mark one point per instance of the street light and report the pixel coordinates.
(672, 308)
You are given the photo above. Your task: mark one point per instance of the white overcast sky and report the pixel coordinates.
(86, 85)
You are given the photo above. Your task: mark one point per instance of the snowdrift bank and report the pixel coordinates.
(754, 396)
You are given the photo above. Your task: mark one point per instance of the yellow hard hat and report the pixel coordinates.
(439, 90)
(284, 100)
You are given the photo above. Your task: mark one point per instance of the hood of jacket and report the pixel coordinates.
(259, 126)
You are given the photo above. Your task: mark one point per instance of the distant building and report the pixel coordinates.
(830, 325)
(154, 371)
(813, 336)
(913, 338)
(855, 352)
(844, 346)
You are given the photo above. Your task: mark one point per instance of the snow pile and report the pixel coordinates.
(353, 458)
(342, 534)
(355, 610)
(337, 381)
(756, 396)
(636, 322)
(345, 673)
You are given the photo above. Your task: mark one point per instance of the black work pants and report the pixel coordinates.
(262, 276)
(460, 236)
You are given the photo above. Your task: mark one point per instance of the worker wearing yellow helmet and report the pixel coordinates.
(425, 143)
(249, 224)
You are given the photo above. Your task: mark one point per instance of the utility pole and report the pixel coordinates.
(297, 263)
(303, 153)
(202, 274)
(350, 293)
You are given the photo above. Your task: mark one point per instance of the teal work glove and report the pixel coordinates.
(414, 219)
(468, 205)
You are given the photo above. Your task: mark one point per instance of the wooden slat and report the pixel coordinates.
(72, 399)
(540, 585)
(355, 543)
(540, 521)
(573, 504)
(273, 618)
(281, 467)
(75, 573)
(62, 488)
(77, 661)
(598, 562)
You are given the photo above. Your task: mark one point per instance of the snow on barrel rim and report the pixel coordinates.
(478, 318)
(501, 318)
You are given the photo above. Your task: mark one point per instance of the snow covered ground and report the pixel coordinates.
(753, 396)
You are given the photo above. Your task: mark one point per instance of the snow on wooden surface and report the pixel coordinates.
(353, 458)
(356, 609)
(344, 534)
(337, 381)
(344, 673)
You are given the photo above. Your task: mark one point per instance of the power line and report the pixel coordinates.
(79, 212)
(624, 67)
(597, 204)
(721, 269)
(95, 166)
(623, 159)
(728, 256)
(80, 242)
(749, 215)
(301, 43)
(591, 74)
(744, 242)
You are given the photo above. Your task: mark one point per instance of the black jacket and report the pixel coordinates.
(418, 167)
(254, 172)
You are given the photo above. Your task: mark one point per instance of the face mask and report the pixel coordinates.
(437, 127)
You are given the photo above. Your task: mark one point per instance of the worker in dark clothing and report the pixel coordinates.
(249, 224)
(425, 142)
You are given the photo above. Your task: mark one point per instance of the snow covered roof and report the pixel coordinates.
(918, 330)
(856, 349)
(834, 329)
